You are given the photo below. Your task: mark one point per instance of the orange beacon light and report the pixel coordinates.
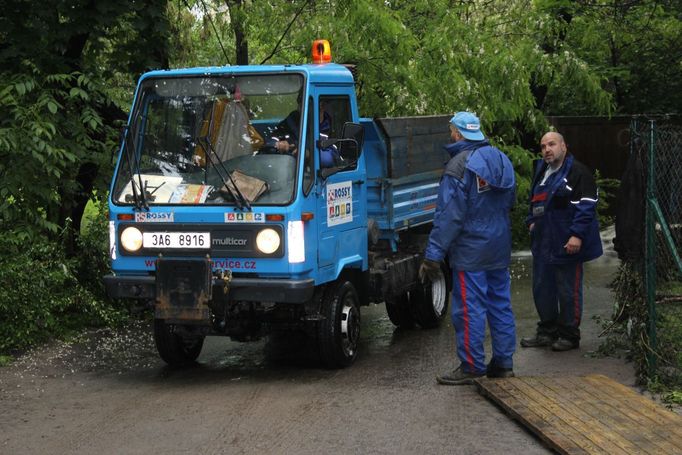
(322, 51)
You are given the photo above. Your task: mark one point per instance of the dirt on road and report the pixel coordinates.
(109, 393)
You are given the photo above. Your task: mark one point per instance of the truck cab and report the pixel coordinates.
(239, 206)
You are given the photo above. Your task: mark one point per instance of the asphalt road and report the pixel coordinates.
(108, 393)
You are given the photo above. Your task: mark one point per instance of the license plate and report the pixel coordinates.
(196, 240)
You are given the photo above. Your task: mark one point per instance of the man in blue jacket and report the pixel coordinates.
(472, 228)
(564, 232)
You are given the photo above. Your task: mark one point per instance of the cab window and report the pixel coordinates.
(333, 112)
(338, 108)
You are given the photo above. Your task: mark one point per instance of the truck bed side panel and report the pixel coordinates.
(405, 160)
(415, 144)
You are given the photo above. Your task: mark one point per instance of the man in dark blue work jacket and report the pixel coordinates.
(472, 227)
(564, 232)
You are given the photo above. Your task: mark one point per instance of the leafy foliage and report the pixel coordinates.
(607, 193)
(523, 166)
(43, 294)
(93, 244)
(61, 64)
(42, 144)
(632, 49)
(629, 329)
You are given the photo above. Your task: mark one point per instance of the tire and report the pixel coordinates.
(174, 349)
(398, 309)
(339, 331)
(429, 300)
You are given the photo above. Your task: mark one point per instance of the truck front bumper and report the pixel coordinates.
(251, 289)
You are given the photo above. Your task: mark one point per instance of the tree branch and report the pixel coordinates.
(215, 31)
(286, 31)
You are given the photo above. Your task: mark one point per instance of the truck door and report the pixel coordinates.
(342, 209)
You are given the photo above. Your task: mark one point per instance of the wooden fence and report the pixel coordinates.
(601, 143)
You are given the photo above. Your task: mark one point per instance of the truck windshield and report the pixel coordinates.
(212, 140)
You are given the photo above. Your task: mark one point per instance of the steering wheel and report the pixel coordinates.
(268, 149)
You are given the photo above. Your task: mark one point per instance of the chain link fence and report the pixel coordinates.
(649, 241)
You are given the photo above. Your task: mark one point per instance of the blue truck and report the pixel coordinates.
(249, 200)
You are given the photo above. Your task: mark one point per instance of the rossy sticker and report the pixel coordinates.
(339, 203)
(154, 217)
(339, 191)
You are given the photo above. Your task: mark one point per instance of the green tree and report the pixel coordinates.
(44, 150)
(634, 47)
(56, 138)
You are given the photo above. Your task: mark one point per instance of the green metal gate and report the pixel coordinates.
(661, 143)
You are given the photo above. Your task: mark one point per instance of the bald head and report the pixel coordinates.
(553, 149)
(554, 135)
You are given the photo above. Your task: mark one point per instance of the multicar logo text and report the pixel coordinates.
(230, 241)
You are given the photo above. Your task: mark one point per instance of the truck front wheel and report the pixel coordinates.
(175, 349)
(339, 331)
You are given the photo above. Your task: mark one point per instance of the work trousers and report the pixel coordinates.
(478, 297)
(558, 295)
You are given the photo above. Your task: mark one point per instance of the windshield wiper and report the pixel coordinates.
(138, 197)
(234, 190)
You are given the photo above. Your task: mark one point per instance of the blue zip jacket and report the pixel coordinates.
(471, 224)
(565, 206)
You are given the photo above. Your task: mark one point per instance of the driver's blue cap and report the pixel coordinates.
(468, 125)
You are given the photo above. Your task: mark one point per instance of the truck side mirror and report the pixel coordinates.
(353, 136)
(349, 147)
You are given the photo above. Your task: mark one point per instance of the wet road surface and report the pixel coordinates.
(109, 393)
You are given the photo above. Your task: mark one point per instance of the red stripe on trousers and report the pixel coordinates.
(467, 348)
(576, 294)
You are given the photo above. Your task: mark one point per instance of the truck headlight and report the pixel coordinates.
(268, 241)
(131, 239)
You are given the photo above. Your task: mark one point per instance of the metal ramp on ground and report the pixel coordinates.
(587, 415)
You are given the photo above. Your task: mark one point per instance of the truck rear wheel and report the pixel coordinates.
(398, 309)
(339, 331)
(429, 300)
(175, 349)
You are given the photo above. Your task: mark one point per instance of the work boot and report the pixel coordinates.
(563, 344)
(495, 371)
(537, 341)
(458, 377)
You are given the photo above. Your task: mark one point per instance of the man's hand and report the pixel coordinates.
(573, 245)
(430, 269)
(282, 146)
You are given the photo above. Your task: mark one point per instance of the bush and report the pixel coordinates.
(45, 294)
(51, 132)
(522, 160)
(607, 195)
(630, 328)
(93, 260)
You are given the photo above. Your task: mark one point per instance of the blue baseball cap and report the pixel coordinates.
(468, 125)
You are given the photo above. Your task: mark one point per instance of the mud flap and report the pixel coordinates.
(183, 290)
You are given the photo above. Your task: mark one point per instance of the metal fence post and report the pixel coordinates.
(650, 259)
